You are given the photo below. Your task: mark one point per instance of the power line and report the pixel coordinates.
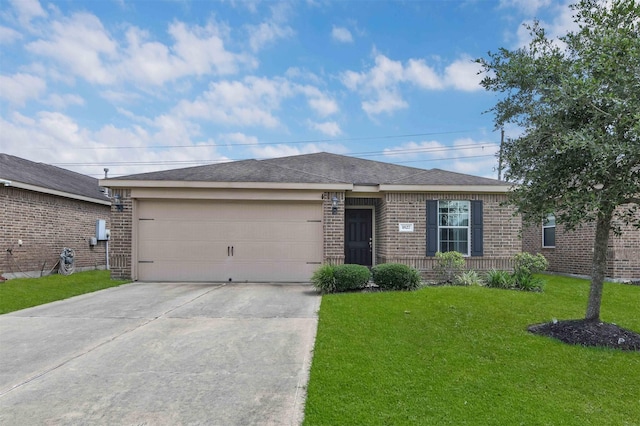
(361, 154)
(410, 135)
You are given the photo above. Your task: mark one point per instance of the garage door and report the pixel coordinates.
(184, 240)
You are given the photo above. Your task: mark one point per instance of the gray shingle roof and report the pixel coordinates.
(320, 167)
(46, 176)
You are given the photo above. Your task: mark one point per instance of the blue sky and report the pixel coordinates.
(137, 86)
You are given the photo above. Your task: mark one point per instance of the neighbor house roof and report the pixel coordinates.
(318, 168)
(20, 173)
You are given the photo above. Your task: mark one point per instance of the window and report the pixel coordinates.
(549, 231)
(454, 226)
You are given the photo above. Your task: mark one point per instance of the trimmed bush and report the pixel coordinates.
(448, 266)
(396, 276)
(324, 279)
(351, 277)
(524, 266)
(468, 278)
(498, 278)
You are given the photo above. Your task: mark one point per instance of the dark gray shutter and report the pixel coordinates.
(432, 227)
(477, 244)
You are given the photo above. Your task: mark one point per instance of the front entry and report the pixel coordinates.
(358, 236)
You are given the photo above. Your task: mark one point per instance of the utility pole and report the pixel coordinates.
(500, 154)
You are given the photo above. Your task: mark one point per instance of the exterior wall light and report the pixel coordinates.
(334, 205)
(118, 203)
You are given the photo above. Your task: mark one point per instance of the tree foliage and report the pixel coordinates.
(577, 100)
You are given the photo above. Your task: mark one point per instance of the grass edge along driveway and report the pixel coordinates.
(21, 293)
(462, 355)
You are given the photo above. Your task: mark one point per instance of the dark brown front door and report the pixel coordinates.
(358, 235)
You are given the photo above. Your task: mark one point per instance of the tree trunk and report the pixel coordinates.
(599, 267)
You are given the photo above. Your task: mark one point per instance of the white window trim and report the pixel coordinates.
(547, 227)
(468, 227)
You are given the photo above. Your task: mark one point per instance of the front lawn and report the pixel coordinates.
(21, 293)
(462, 355)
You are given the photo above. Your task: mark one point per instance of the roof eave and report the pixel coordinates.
(124, 183)
(36, 188)
(487, 189)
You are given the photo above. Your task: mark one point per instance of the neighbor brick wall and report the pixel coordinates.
(501, 231)
(121, 234)
(573, 253)
(333, 228)
(46, 224)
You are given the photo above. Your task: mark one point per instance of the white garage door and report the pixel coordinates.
(185, 240)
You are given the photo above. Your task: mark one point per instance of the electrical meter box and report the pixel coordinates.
(101, 230)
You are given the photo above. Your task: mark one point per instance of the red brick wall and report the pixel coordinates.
(573, 253)
(333, 227)
(501, 231)
(121, 234)
(46, 224)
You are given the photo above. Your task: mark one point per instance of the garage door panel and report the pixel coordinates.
(216, 241)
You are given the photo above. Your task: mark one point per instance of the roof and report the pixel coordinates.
(318, 168)
(49, 179)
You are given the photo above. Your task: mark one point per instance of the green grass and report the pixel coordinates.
(462, 356)
(21, 293)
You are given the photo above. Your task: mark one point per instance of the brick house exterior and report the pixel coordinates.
(336, 184)
(47, 209)
(573, 251)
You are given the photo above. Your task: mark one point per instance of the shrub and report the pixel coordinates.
(396, 276)
(448, 266)
(351, 277)
(497, 278)
(468, 278)
(324, 279)
(524, 266)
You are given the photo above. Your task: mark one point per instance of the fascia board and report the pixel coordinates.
(490, 189)
(222, 185)
(50, 191)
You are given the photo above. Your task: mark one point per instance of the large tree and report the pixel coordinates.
(577, 100)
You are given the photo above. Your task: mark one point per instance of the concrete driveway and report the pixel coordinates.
(160, 354)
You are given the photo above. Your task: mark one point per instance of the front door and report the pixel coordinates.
(358, 237)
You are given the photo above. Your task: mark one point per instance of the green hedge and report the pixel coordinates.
(331, 279)
(396, 276)
(351, 277)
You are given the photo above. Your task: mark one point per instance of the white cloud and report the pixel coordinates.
(253, 101)
(63, 101)
(19, 88)
(26, 10)
(341, 34)
(80, 44)
(381, 85)
(329, 128)
(8, 35)
(57, 138)
(463, 155)
(560, 25)
(266, 33)
(412, 149)
(283, 150)
(462, 74)
(238, 138)
(528, 7)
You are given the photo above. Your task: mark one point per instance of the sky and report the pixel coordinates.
(138, 86)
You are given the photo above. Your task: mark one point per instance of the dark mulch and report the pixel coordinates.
(589, 333)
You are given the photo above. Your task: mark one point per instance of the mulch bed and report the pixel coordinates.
(589, 333)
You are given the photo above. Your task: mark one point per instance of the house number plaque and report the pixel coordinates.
(405, 227)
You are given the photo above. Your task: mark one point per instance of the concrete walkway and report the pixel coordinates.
(160, 354)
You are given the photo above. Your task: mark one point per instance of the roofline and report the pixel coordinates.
(446, 188)
(125, 183)
(49, 191)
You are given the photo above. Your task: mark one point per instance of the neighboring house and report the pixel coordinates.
(279, 219)
(45, 209)
(572, 252)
